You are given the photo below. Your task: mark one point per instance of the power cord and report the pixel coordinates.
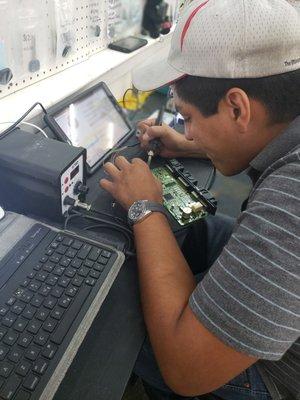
(12, 127)
(29, 124)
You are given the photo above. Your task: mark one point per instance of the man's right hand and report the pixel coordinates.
(173, 144)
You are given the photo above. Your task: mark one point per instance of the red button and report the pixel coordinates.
(66, 180)
(66, 189)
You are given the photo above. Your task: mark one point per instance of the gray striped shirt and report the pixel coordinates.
(250, 298)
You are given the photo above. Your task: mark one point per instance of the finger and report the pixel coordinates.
(138, 161)
(112, 170)
(107, 185)
(121, 162)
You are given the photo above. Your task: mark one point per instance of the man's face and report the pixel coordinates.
(216, 135)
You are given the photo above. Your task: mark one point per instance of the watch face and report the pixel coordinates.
(136, 210)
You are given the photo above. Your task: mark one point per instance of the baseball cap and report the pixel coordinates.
(228, 39)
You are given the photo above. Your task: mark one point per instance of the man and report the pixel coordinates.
(234, 68)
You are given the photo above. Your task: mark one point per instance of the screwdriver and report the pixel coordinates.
(155, 144)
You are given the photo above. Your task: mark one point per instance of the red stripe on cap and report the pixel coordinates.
(188, 22)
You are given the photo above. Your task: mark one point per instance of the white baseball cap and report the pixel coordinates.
(228, 39)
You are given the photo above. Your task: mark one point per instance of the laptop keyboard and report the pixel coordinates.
(38, 313)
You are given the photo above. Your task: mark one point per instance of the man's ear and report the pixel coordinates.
(239, 108)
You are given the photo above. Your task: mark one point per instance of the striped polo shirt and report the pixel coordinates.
(250, 298)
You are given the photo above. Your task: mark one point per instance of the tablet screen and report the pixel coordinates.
(93, 122)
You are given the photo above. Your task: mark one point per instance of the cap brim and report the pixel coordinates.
(155, 75)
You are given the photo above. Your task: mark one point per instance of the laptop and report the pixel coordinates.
(52, 285)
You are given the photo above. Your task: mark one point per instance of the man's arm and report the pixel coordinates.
(192, 360)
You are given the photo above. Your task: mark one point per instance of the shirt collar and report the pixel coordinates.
(278, 147)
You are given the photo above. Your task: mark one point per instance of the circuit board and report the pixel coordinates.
(181, 203)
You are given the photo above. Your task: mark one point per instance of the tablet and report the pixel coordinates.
(93, 120)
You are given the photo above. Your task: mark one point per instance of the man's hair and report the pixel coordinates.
(280, 94)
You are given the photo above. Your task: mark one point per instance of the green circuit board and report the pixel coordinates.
(184, 206)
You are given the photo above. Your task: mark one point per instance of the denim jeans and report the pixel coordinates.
(212, 234)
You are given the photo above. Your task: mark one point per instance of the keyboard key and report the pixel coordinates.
(77, 281)
(25, 340)
(45, 290)
(18, 308)
(30, 382)
(42, 314)
(76, 263)
(54, 245)
(57, 313)
(59, 238)
(41, 338)
(94, 254)
(99, 267)
(65, 302)
(88, 263)
(41, 276)
(3, 351)
(32, 352)
(3, 310)
(90, 281)
(70, 272)
(5, 369)
(76, 244)
(31, 275)
(65, 261)
(49, 325)
(61, 249)
(9, 320)
(71, 291)
(15, 355)
(29, 312)
(49, 252)
(95, 274)
(37, 301)
(84, 251)
(49, 351)
(43, 259)
(11, 301)
(71, 253)
(23, 368)
(50, 302)
(61, 331)
(39, 366)
(34, 326)
(34, 286)
(102, 260)
(22, 395)
(106, 253)
(2, 332)
(58, 271)
(52, 280)
(83, 271)
(10, 338)
(48, 267)
(57, 292)
(10, 387)
(20, 324)
(25, 283)
(37, 267)
(64, 282)
(55, 258)
(68, 241)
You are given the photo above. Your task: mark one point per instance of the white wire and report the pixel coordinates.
(27, 123)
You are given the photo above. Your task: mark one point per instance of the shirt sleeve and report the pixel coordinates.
(250, 297)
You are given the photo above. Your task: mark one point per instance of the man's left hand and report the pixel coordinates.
(131, 181)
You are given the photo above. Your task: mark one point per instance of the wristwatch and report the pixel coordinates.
(141, 209)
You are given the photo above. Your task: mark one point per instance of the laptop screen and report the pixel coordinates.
(93, 122)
